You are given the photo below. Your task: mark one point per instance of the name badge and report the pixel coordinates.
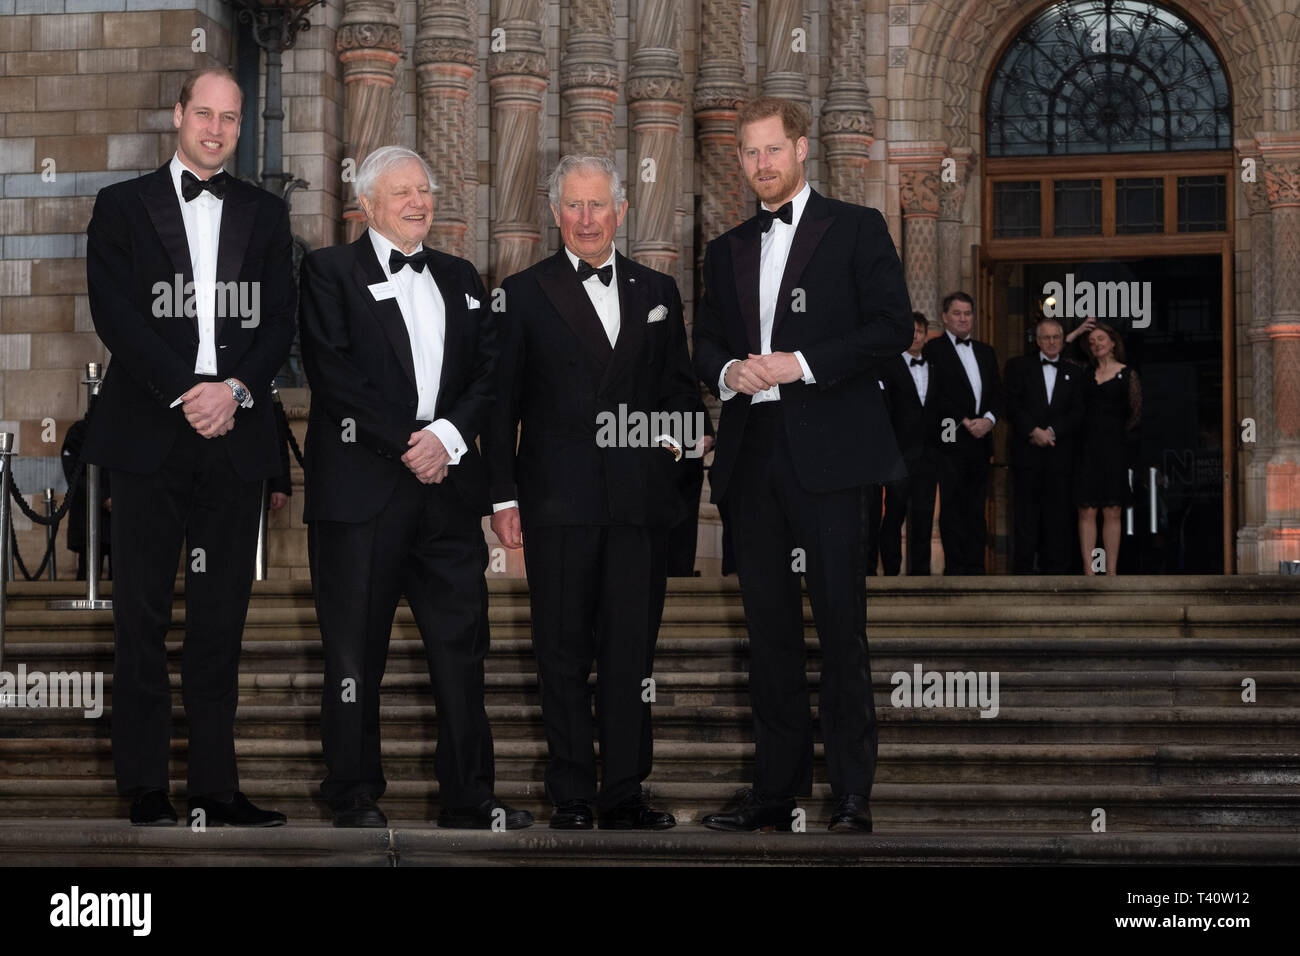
(382, 291)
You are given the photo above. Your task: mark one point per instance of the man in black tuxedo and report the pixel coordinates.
(399, 345)
(190, 275)
(1045, 406)
(591, 339)
(968, 403)
(906, 383)
(800, 304)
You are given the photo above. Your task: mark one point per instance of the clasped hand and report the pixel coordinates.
(760, 372)
(427, 457)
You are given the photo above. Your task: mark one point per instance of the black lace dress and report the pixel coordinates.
(1112, 413)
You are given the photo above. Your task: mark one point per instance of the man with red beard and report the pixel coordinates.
(800, 304)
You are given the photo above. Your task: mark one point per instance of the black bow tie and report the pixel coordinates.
(766, 217)
(605, 273)
(1051, 362)
(416, 260)
(916, 361)
(191, 185)
(963, 342)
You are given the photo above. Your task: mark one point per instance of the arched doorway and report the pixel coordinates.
(1109, 157)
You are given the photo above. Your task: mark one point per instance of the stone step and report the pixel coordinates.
(1068, 808)
(1245, 723)
(686, 761)
(110, 842)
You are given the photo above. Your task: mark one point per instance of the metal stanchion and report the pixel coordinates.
(6, 476)
(1128, 512)
(259, 563)
(1151, 498)
(51, 534)
(92, 601)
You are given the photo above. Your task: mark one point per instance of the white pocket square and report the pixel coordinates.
(657, 314)
(470, 301)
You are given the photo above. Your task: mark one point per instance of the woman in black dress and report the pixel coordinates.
(1112, 412)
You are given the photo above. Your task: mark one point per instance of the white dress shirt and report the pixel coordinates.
(775, 251)
(966, 355)
(425, 316)
(920, 375)
(1049, 374)
(604, 298)
(202, 217)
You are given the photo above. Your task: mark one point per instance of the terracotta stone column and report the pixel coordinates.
(1258, 453)
(918, 184)
(589, 80)
(848, 124)
(786, 47)
(445, 62)
(655, 100)
(369, 45)
(952, 200)
(724, 198)
(517, 71)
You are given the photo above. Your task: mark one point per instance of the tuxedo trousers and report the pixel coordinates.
(911, 498)
(597, 595)
(963, 489)
(425, 544)
(195, 501)
(1042, 517)
(772, 515)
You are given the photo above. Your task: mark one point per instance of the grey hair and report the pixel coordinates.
(384, 160)
(572, 163)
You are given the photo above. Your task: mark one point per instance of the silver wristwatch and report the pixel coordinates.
(242, 395)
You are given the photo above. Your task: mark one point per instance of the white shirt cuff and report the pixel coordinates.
(807, 372)
(725, 393)
(677, 446)
(991, 417)
(503, 505)
(449, 435)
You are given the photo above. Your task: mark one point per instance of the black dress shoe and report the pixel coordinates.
(152, 809)
(359, 810)
(484, 816)
(574, 815)
(748, 811)
(637, 814)
(852, 812)
(236, 812)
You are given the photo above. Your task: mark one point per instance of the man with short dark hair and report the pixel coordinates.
(800, 304)
(968, 403)
(190, 276)
(1045, 408)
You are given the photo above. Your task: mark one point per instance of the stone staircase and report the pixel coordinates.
(1121, 695)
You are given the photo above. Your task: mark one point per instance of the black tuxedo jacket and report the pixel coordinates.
(915, 425)
(357, 355)
(1028, 408)
(855, 312)
(954, 398)
(559, 379)
(136, 241)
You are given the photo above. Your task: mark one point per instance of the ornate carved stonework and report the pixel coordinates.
(919, 192)
(787, 44)
(589, 80)
(369, 46)
(655, 101)
(848, 126)
(724, 198)
(445, 61)
(517, 79)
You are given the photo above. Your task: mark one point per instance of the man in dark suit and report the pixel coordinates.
(968, 403)
(800, 304)
(399, 345)
(906, 383)
(1045, 406)
(190, 276)
(592, 340)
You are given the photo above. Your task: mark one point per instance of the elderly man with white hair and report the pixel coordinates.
(400, 349)
(590, 338)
